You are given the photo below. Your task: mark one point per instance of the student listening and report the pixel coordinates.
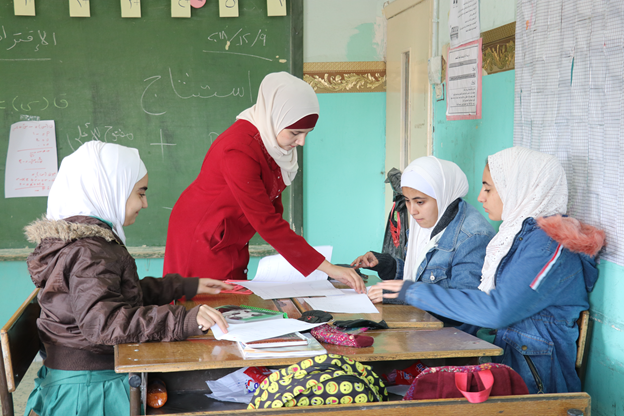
(239, 191)
(447, 236)
(537, 272)
(90, 295)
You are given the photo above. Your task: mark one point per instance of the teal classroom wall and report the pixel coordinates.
(469, 142)
(605, 362)
(344, 175)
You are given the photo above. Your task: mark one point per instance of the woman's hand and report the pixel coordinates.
(211, 286)
(344, 275)
(367, 260)
(375, 294)
(207, 317)
(392, 286)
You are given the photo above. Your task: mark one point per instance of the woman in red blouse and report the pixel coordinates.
(239, 191)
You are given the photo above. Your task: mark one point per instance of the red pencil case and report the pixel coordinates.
(330, 335)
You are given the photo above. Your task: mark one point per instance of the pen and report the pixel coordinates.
(359, 331)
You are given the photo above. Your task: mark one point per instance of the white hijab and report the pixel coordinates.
(530, 184)
(96, 180)
(283, 99)
(440, 179)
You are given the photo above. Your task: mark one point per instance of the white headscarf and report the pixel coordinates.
(530, 184)
(283, 99)
(96, 180)
(440, 179)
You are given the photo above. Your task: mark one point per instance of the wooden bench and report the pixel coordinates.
(529, 405)
(19, 340)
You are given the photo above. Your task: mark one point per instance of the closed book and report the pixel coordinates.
(289, 340)
(243, 314)
(312, 348)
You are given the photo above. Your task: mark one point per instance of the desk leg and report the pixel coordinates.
(135, 394)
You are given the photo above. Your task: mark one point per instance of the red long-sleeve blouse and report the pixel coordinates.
(237, 193)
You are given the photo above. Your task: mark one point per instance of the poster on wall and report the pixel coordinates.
(463, 81)
(464, 24)
(31, 164)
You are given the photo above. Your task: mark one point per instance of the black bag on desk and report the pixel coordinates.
(395, 237)
(320, 380)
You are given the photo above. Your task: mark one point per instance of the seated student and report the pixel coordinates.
(91, 297)
(447, 236)
(536, 275)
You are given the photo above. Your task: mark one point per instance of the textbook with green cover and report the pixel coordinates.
(235, 314)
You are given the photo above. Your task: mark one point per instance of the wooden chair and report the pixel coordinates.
(583, 324)
(19, 339)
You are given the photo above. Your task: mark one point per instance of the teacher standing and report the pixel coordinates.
(239, 191)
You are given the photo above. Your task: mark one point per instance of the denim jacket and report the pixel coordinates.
(541, 289)
(455, 262)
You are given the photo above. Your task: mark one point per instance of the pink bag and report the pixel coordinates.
(330, 335)
(474, 382)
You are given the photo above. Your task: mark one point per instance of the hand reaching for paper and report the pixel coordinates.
(344, 275)
(212, 286)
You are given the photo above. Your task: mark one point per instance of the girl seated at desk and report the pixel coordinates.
(447, 236)
(90, 295)
(537, 272)
(239, 191)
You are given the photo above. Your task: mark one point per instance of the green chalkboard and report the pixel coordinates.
(167, 86)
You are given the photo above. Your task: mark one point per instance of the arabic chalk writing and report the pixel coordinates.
(185, 87)
(87, 132)
(36, 39)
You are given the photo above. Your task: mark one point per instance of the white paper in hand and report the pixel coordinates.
(343, 304)
(276, 269)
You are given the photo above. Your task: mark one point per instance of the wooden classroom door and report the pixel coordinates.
(408, 94)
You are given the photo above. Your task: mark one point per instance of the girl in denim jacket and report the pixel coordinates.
(447, 236)
(536, 276)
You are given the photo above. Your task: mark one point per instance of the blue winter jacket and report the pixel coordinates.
(455, 262)
(541, 289)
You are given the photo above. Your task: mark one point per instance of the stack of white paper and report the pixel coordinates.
(277, 279)
(261, 329)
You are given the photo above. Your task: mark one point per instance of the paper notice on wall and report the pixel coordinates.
(130, 8)
(31, 164)
(464, 25)
(24, 7)
(79, 8)
(463, 80)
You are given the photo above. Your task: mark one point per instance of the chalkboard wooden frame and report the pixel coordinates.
(293, 204)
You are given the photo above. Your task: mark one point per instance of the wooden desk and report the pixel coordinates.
(207, 354)
(203, 353)
(396, 316)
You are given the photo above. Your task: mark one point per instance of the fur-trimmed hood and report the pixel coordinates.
(578, 238)
(573, 234)
(66, 231)
(54, 237)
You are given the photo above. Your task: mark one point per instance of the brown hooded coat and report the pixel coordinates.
(91, 297)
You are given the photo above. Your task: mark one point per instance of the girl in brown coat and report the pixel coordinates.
(91, 297)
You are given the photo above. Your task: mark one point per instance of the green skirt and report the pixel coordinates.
(88, 393)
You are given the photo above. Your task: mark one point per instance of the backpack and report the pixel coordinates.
(320, 380)
(395, 237)
(474, 382)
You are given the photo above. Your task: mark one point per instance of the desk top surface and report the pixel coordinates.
(396, 316)
(205, 352)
